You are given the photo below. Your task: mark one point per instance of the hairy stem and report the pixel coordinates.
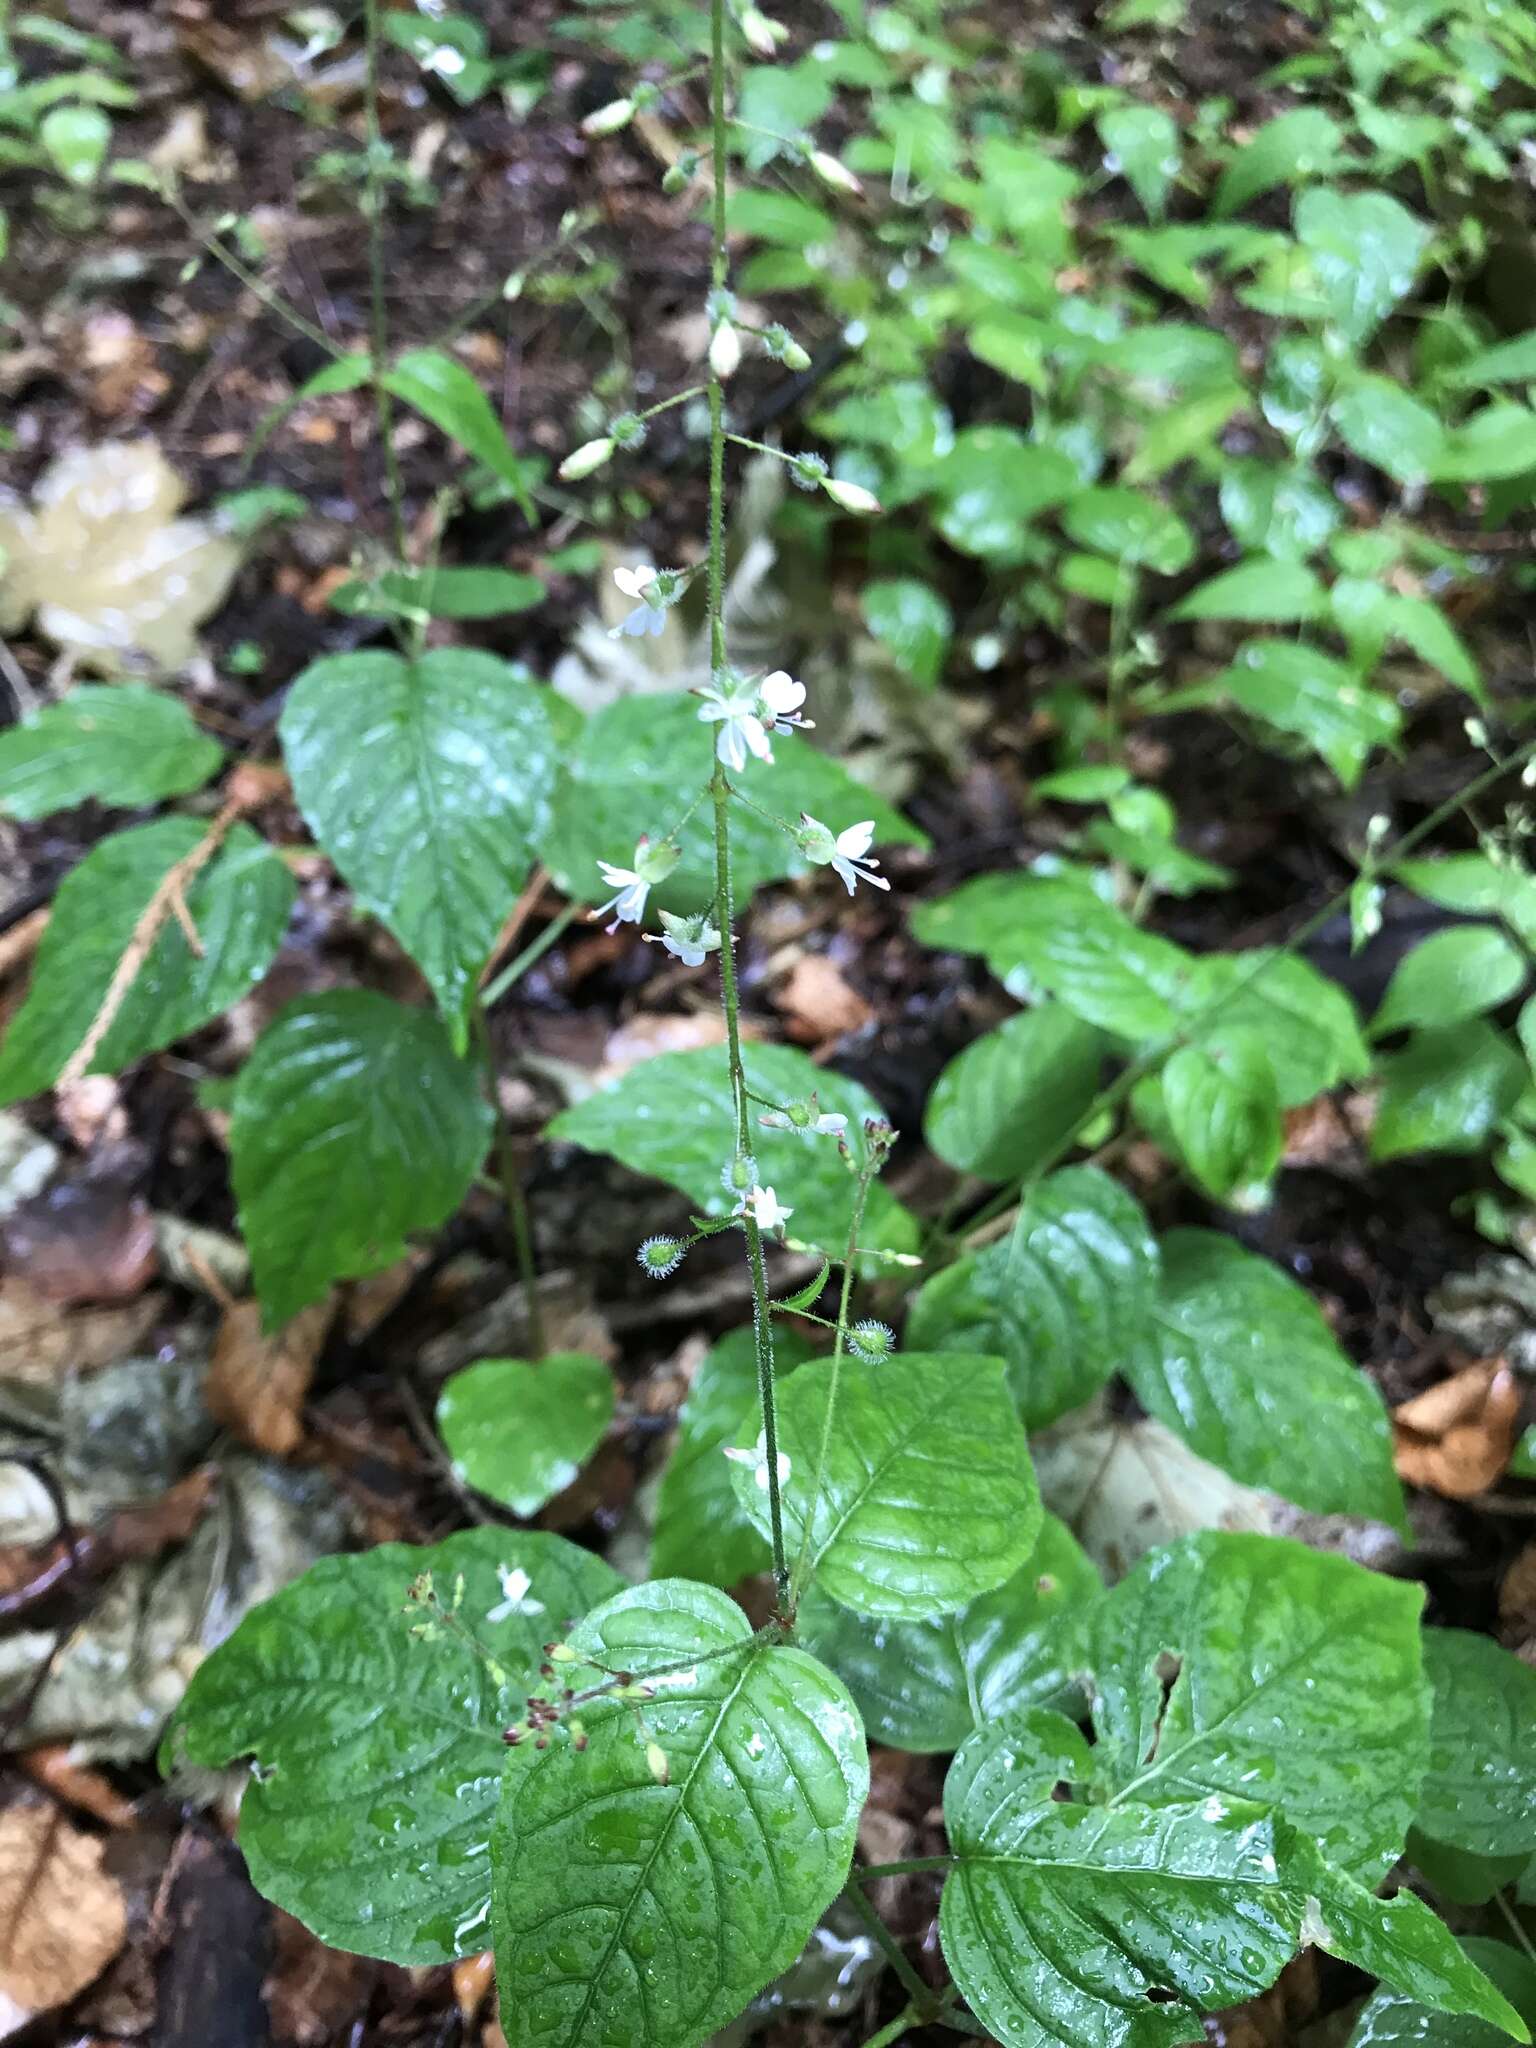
(512, 1194)
(378, 310)
(719, 789)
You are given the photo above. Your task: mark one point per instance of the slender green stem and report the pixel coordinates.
(378, 310)
(921, 1995)
(1515, 1926)
(867, 1873)
(759, 447)
(850, 1267)
(666, 404)
(903, 2023)
(720, 792)
(1112, 1096)
(274, 302)
(531, 954)
(511, 1179)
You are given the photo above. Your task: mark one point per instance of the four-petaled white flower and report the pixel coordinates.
(652, 864)
(732, 706)
(806, 1119)
(688, 939)
(515, 1584)
(779, 700)
(756, 1461)
(650, 614)
(846, 854)
(769, 1212)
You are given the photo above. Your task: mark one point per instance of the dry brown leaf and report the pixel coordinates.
(1456, 1439)
(62, 1919)
(1517, 1605)
(39, 1341)
(474, 1977)
(819, 1003)
(653, 1032)
(82, 1241)
(312, 1992)
(257, 1383)
(77, 1785)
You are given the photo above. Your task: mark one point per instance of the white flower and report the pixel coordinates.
(845, 855)
(768, 1211)
(633, 582)
(582, 461)
(688, 939)
(445, 61)
(779, 698)
(806, 1119)
(852, 497)
(515, 1585)
(733, 706)
(757, 1461)
(725, 351)
(652, 864)
(650, 614)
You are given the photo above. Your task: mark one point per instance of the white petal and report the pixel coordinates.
(781, 693)
(617, 878)
(856, 840)
(755, 733)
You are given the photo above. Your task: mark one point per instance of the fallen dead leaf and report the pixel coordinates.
(62, 1919)
(474, 1978)
(1319, 1134)
(818, 1003)
(91, 1111)
(312, 1992)
(1456, 1438)
(257, 1383)
(77, 1785)
(82, 1241)
(1517, 1605)
(40, 1341)
(653, 1032)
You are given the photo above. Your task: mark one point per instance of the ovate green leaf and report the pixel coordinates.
(379, 1753)
(1143, 144)
(913, 620)
(1507, 362)
(354, 1125)
(119, 743)
(928, 1496)
(1299, 689)
(991, 483)
(1112, 519)
(1394, 2020)
(444, 593)
(1065, 1299)
(444, 392)
(428, 783)
(1450, 976)
(672, 1118)
(1223, 1110)
(1010, 1099)
(1306, 1022)
(520, 1432)
(238, 904)
(1366, 249)
(1499, 441)
(1446, 1091)
(1242, 1364)
(1480, 1789)
(1304, 143)
(1264, 592)
(1381, 423)
(643, 1905)
(926, 1685)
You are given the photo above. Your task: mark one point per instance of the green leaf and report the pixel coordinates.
(1299, 689)
(1223, 1111)
(1299, 1676)
(1143, 145)
(926, 1685)
(1507, 362)
(427, 782)
(1241, 1364)
(519, 1432)
(77, 140)
(1378, 421)
(1065, 1299)
(1366, 250)
(1401, 1941)
(1480, 1790)
(1264, 592)
(672, 1117)
(1131, 527)
(1011, 1099)
(913, 621)
(238, 905)
(991, 483)
(779, 216)
(1446, 1091)
(1499, 441)
(1473, 883)
(1305, 143)
(1306, 1022)
(440, 593)
(1450, 976)
(1392, 2020)
(1105, 969)
(354, 1125)
(644, 1913)
(444, 392)
(1075, 1926)
(379, 1754)
(928, 1496)
(630, 772)
(119, 743)
(700, 1529)
(1288, 513)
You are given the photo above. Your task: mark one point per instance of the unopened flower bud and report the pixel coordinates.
(627, 430)
(660, 1256)
(784, 348)
(852, 497)
(832, 171)
(582, 461)
(871, 1340)
(725, 351)
(763, 34)
(656, 1763)
(610, 119)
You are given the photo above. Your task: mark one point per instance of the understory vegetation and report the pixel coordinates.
(806, 888)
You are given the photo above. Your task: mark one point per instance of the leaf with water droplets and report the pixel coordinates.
(379, 1755)
(649, 1884)
(1394, 2020)
(1299, 1684)
(926, 1685)
(519, 1432)
(1064, 1299)
(928, 1496)
(1480, 1789)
